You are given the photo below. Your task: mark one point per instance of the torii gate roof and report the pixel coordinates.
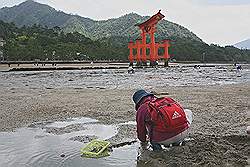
(152, 20)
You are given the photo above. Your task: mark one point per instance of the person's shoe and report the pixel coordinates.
(176, 144)
(183, 143)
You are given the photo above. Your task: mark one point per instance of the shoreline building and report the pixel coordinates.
(2, 42)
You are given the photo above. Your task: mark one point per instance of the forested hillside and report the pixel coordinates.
(36, 42)
(37, 31)
(29, 13)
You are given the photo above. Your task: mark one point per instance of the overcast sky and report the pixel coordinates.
(222, 22)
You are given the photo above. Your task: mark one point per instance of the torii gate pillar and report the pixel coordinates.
(148, 27)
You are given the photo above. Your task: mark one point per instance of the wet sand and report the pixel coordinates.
(57, 67)
(218, 133)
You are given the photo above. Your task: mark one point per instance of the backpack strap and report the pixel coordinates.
(151, 124)
(159, 113)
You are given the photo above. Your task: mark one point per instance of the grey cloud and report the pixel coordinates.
(222, 2)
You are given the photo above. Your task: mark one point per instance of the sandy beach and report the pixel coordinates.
(217, 136)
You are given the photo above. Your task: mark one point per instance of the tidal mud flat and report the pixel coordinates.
(219, 99)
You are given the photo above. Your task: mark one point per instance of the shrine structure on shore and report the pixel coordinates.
(141, 52)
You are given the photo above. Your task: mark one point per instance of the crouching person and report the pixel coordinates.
(162, 120)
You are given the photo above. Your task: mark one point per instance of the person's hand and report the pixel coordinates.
(144, 144)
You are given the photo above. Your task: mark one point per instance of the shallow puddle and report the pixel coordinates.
(60, 124)
(52, 144)
(56, 144)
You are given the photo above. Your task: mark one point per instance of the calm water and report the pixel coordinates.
(35, 147)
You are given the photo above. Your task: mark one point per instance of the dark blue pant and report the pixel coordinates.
(156, 146)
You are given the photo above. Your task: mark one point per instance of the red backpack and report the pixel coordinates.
(167, 115)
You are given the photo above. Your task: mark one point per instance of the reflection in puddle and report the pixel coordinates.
(60, 124)
(128, 123)
(35, 147)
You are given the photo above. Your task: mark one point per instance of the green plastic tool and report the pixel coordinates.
(96, 149)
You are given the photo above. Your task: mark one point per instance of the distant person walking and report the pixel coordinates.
(131, 70)
(237, 66)
(162, 120)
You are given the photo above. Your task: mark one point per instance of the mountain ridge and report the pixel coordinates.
(245, 44)
(31, 12)
(104, 39)
(37, 42)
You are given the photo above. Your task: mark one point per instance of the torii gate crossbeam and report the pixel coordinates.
(148, 27)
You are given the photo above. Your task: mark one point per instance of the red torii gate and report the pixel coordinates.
(148, 27)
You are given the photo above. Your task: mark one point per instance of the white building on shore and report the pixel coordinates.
(2, 42)
(1, 56)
